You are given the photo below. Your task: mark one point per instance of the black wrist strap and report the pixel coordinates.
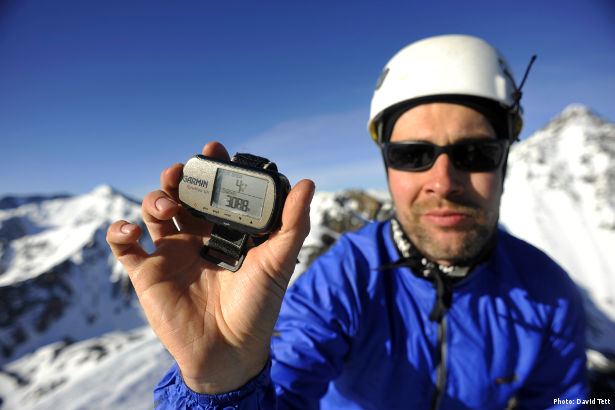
(254, 161)
(226, 247)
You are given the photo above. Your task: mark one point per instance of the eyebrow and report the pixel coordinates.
(476, 137)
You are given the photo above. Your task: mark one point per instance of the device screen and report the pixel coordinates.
(239, 193)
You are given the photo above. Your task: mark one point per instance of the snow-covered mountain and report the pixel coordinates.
(560, 195)
(58, 281)
(73, 336)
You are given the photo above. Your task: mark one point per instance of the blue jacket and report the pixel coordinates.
(351, 336)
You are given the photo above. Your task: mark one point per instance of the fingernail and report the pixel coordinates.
(127, 228)
(163, 203)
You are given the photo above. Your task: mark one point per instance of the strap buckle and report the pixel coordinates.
(226, 248)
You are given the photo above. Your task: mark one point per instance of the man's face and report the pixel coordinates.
(448, 214)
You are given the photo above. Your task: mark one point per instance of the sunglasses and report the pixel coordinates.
(483, 155)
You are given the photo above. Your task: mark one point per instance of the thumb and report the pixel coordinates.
(284, 245)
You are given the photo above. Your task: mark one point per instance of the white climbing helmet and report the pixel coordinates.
(446, 67)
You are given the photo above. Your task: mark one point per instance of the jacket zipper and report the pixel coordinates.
(441, 377)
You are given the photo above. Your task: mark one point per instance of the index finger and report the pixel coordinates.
(169, 180)
(215, 150)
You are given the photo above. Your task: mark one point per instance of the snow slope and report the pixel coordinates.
(115, 371)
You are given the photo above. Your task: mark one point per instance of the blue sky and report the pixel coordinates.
(112, 92)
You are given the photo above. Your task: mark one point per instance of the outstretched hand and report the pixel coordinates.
(217, 324)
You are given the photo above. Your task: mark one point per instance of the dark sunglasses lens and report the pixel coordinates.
(480, 156)
(410, 157)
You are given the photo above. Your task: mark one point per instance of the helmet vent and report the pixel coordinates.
(382, 77)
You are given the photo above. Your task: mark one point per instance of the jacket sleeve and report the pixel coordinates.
(318, 320)
(559, 379)
(310, 341)
(172, 393)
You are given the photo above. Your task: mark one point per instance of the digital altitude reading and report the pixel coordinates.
(239, 193)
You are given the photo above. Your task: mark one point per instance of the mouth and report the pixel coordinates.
(447, 218)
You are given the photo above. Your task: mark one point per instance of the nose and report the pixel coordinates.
(443, 178)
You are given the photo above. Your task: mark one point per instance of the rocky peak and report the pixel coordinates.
(574, 152)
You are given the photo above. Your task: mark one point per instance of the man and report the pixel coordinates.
(437, 308)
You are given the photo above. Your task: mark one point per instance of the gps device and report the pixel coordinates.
(243, 198)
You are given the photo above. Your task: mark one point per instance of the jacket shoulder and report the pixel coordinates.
(369, 247)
